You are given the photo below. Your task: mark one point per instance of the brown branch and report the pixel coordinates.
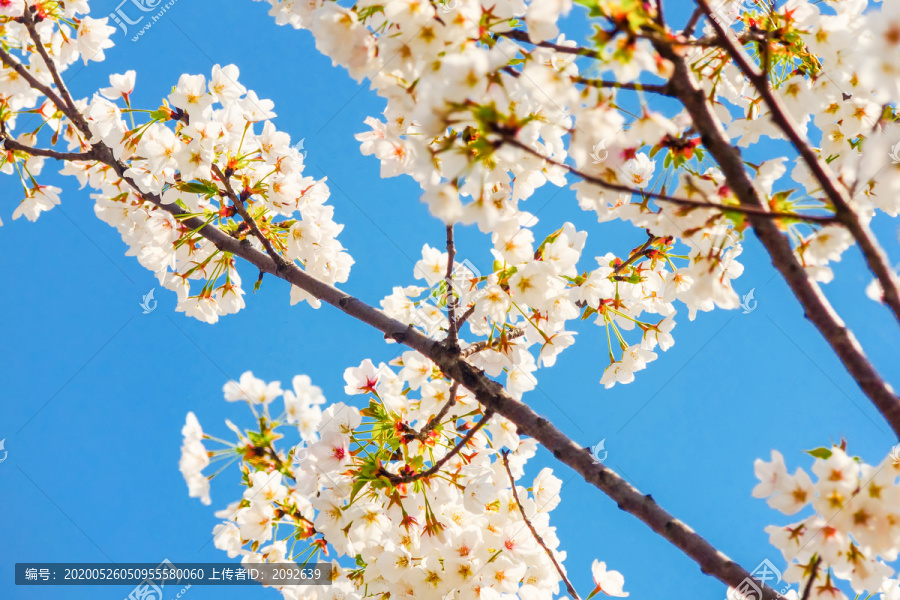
(514, 333)
(758, 211)
(13, 145)
(816, 306)
(660, 18)
(465, 316)
(875, 256)
(637, 87)
(76, 116)
(534, 532)
(453, 329)
(397, 479)
(682, 40)
(422, 434)
(238, 203)
(692, 22)
(522, 36)
(28, 76)
(809, 584)
(637, 253)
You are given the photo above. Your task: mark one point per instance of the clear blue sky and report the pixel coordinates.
(95, 393)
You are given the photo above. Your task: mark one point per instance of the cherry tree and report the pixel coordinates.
(420, 493)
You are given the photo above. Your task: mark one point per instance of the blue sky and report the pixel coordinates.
(95, 392)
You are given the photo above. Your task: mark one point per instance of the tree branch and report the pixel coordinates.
(396, 479)
(422, 434)
(453, 329)
(812, 578)
(491, 395)
(818, 310)
(638, 253)
(28, 76)
(77, 118)
(238, 203)
(13, 145)
(692, 22)
(514, 333)
(758, 211)
(637, 87)
(522, 36)
(874, 254)
(534, 532)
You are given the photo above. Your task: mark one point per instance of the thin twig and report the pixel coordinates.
(660, 18)
(743, 209)
(35, 84)
(809, 584)
(637, 87)
(238, 203)
(11, 144)
(77, 118)
(522, 36)
(637, 253)
(513, 333)
(395, 479)
(436, 420)
(465, 316)
(537, 537)
(452, 298)
(692, 22)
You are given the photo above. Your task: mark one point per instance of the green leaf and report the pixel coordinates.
(357, 486)
(196, 187)
(823, 453)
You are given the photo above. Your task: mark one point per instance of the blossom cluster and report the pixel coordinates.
(210, 150)
(854, 526)
(388, 487)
